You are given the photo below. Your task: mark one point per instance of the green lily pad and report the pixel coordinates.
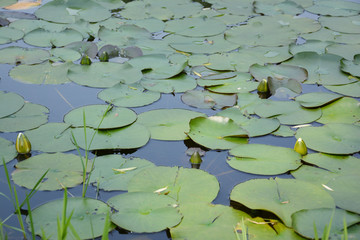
(247, 102)
(239, 84)
(104, 74)
(254, 126)
(206, 99)
(28, 25)
(264, 159)
(51, 137)
(344, 190)
(133, 136)
(185, 185)
(9, 34)
(111, 4)
(84, 48)
(334, 138)
(304, 220)
(316, 46)
(5, 3)
(208, 74)
(87, 219)
(144, 211)
(217, 132)
(161, 66)
(282, 197)
(237, 7)
(334, 8)
(10, 103)
(212, 44)
(113, 172)
(284, 7)
(100, 117)
(64, 54)
(316, 99)
(351, 67)
(44, 38)
(348, 51)
(284, 131)
(322, 69)
(133, 95)
(325, 34)
(287, 112)
(351, 89)
(65, 170)
(124, 35)
(67, 11)
(195, 27)
(168, 124)
(344, 110)
(18, 55)
(278, 72)
(43, 73)
(8, 151)
(229, 82)
(179, 83)
(28, 117)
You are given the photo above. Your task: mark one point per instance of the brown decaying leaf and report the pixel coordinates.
(23, 4)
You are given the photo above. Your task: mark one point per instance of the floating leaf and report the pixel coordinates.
(318, 99)
(264, 159)
(288, 112)
(316, 46)
(209, 74)
(322, 69)
(351, 67)
(9, 34)
(334, 138)
(344, 110)
(325, 34)
(185, 185)
(24, 4)
(239, 84)
(107, 179)
(124, 35)
(168, 124)
(44, 38)
(84, 48)
(206, 99)
(87, 217)
(351, 89)
(282, 197)
(8, 151)
(64, 54)
(279, 72)
(51, 137)
(247, 102)
(5, 3)
(18, 55)
(144, 211)
(104, 74)
(283, 7)
(65, 170)
(133, 95)
(28, 117)
(179, 83)
(348, 51)
(217, 132)
(133, 136)
(10, 103)
(284, 131)
(100, 117)
(43, 73)
(334, 8)
(304, 221)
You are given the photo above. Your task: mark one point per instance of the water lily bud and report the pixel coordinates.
(263, 86)
(23, 145)
(195, 158)
(85, 60)
(300, 147)
(104, 57)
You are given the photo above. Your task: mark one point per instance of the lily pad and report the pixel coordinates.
(283, 7)
(113, 172)
(66, 11)
(318, 99)
(168, 124)
(325, 34)
(334, 138)
(351, 89)
(278, 72)
(264, 159)
(239, 84)
(351, 67)
(344, 110)
(144, 211)
(43, 73)
(316, 46)
(9, 34)
(179, 83)
(8, 151)
(322, 69)
(247, 102)
(282, 197)
(347, 51)
(288, 112)
(217, 132)
(44, 38)
(10, 103)
(28, 117)
(65, 170)
(100, 117)
(18, 55)
(85, 48)
(133, 136)
(87, 219)
(284, 131)
(133, 95)
(51, 137)
(195, 27)
(185, 185)
(209, 74)
(64, 54)
(7, 3)
(206, 99)
(124, 35)
(104, 74)
(304, 221)
(335, 8)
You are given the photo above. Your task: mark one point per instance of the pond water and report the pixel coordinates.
(62, 98)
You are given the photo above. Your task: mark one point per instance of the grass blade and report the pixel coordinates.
(30, 217)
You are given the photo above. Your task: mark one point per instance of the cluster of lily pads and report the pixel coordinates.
(215, 56)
